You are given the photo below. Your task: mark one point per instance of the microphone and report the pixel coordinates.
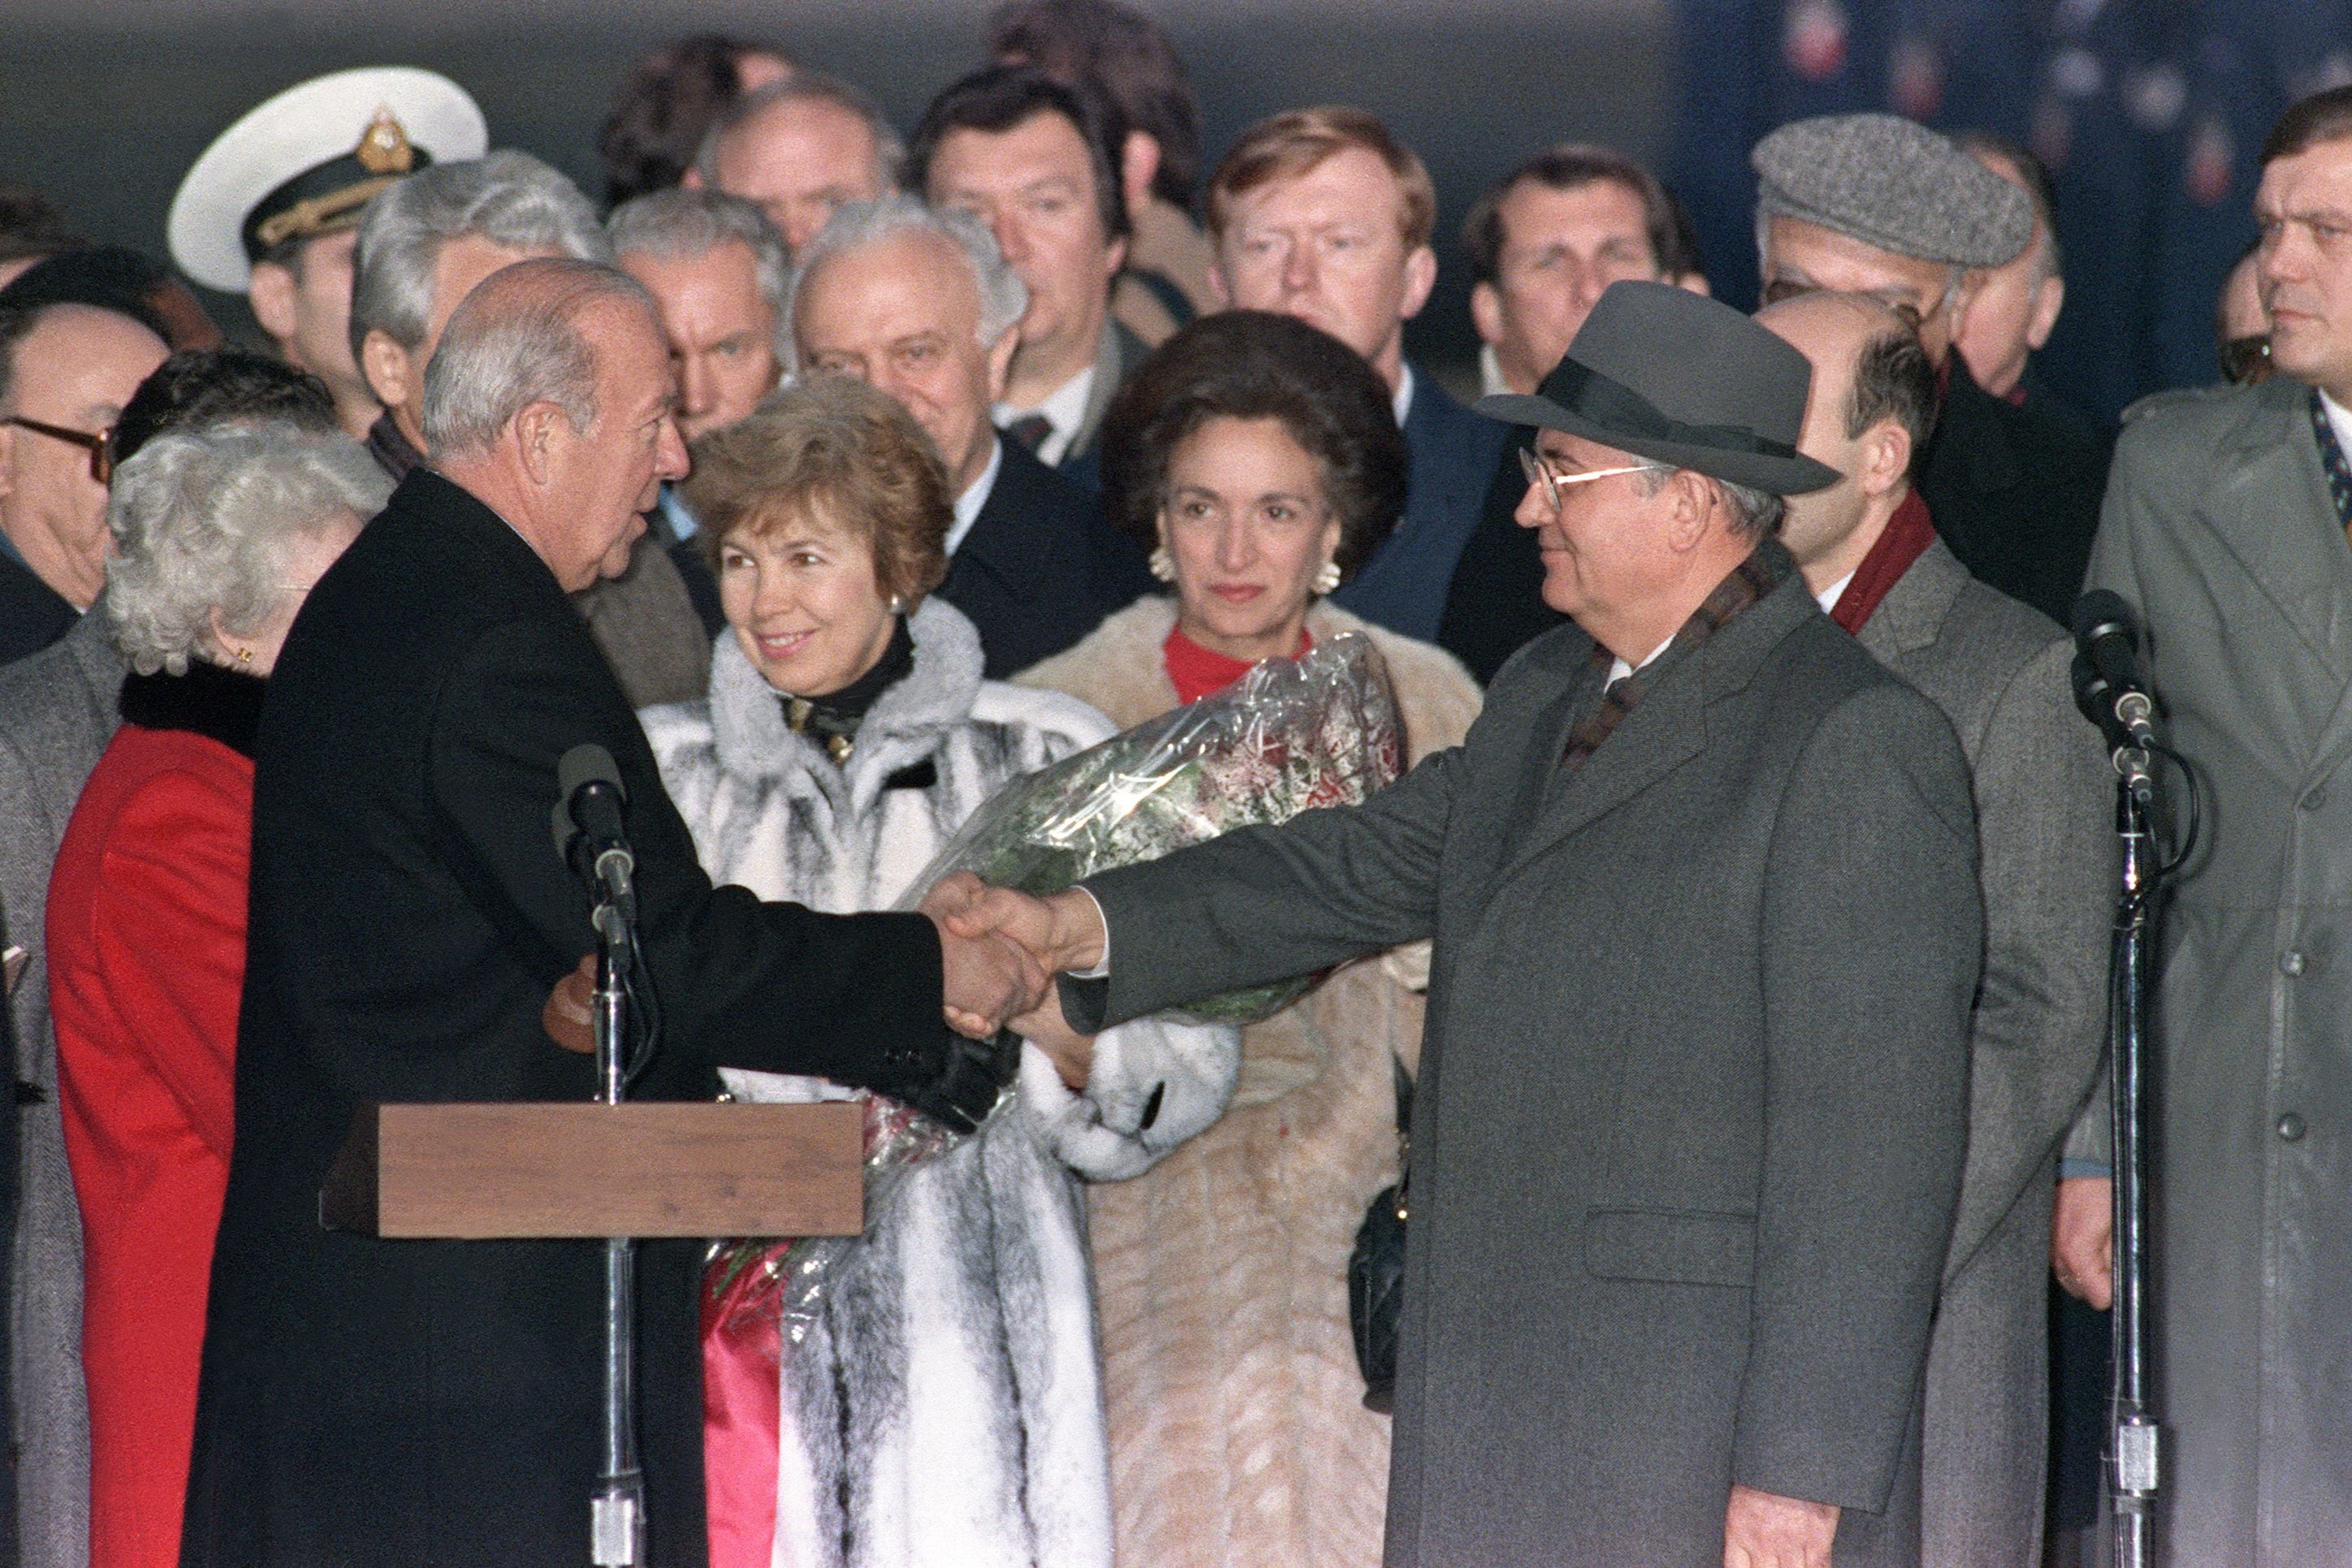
(2099, 702)
(589, 830)
(2109, 643)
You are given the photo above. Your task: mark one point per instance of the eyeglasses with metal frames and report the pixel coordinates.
(99, 443)
(1553, 482)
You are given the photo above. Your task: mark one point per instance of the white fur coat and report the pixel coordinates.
(947, 1413)
(1239, 1438)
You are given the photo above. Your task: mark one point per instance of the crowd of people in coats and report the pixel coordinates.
(1729, 971)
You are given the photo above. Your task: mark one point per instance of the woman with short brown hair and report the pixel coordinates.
(945, 1407)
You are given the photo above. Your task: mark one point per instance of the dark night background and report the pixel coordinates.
(2156, 106)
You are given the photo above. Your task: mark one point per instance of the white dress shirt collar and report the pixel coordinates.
(1065, 409)
(975, 496)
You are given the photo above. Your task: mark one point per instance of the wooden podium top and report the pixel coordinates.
(513, 1171)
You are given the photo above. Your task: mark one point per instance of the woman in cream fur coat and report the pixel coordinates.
(1238, 1433)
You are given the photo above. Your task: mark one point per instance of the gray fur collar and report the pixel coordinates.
(904, 727)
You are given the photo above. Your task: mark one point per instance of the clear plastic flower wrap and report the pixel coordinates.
(1291, 735)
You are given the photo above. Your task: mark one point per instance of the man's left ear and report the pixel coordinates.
(2049, 298)
(537, 433)
(1420, 277)
(1692, 498)
(1885, 457)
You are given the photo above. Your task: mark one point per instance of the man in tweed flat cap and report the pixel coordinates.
(1871, 204)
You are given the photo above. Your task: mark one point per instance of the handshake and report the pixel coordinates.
(999, 952)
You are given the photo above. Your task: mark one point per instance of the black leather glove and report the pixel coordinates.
(966, 1087)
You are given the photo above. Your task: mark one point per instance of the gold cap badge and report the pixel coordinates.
(383, 146)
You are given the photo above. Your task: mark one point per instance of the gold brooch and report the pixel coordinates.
(383, 146)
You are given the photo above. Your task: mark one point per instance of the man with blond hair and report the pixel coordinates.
(1322, 215)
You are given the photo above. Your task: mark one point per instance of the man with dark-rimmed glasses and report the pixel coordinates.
(66, 370)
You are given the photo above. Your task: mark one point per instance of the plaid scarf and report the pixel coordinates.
(1751, 581)
(2331, 458)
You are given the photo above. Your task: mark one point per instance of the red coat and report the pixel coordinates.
(146, 931)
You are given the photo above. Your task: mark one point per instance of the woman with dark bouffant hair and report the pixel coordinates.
(1259, 461)
(944, 1407)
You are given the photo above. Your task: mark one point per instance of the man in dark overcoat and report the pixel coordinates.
(416, 1402)
(1692, 1105)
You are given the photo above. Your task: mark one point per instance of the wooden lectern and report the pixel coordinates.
(641, 1169)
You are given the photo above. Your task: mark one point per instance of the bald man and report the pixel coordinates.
(1869, 552)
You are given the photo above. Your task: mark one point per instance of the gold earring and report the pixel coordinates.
(245, 655)
(1326, 577)
(1162, 564)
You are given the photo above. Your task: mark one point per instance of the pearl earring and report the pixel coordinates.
(1162, 564)
(897, 604)
(1326, 577)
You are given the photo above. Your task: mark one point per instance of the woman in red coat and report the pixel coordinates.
(217, 537)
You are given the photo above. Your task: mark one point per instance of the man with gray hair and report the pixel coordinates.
(424, 246)
(718, 272)
(799, 149)
(922, 304)
(1872, 204)
(1695, 1079)
(425, 243)
(367, 1402)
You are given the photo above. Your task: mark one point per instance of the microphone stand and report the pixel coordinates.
(2134, 1437)
(617, 1512)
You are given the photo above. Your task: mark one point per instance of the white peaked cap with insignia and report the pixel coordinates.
(307, 162)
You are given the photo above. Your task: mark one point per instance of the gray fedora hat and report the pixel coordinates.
(1684, 380)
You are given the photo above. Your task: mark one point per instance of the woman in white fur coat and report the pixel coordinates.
(1260, 462)
(946, 1411)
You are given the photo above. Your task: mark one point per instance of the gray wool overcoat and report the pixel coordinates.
(1692, 1091)
(2219, 530)
(2045, 819)
(57, 714)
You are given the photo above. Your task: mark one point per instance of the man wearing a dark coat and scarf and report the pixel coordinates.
(1691, 1108)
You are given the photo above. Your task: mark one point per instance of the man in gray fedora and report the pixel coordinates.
(1693, 1093)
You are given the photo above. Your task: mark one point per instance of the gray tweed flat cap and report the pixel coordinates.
(1894, 184)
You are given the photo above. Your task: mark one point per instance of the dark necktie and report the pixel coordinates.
(1030, 430)
(2331, 458)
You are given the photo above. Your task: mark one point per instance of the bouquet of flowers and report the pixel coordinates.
(1291, 735)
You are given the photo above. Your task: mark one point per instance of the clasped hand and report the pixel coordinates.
(1000, 950)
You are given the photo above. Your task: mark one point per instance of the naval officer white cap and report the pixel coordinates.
(307, 162)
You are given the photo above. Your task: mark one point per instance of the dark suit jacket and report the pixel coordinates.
(1693, 1091)
(1403, 587)
(32, 614)
(1495, 604)
(406, 1402)
(1041, 567)
(2015, 490)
